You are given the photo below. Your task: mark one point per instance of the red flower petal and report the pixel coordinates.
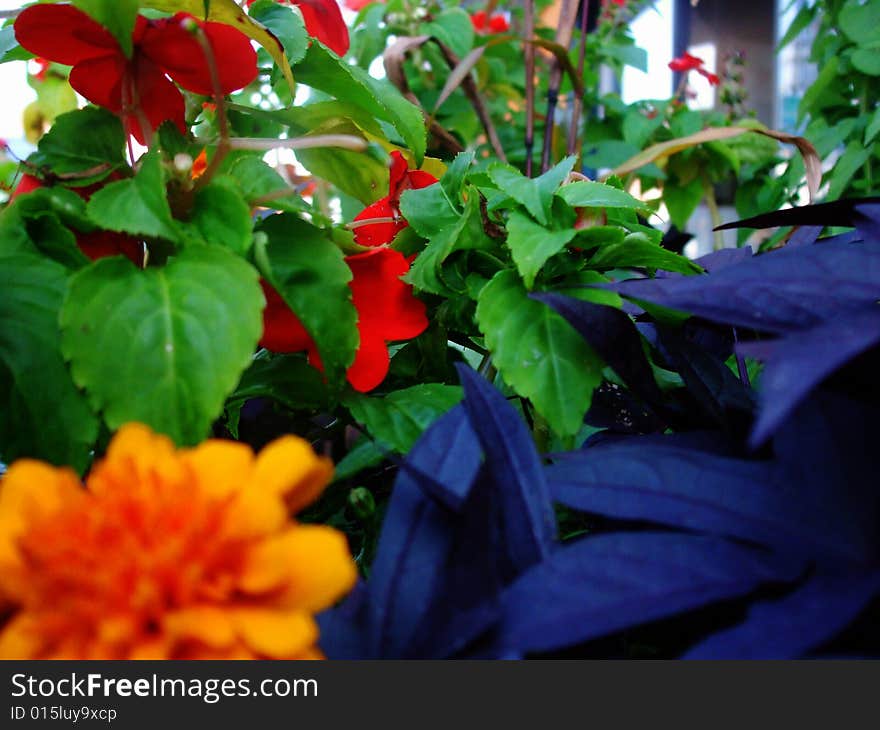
(478, 20)
(324, 21)
(98, 244)
(370, 366)
(64, 34)
(685, 62)
(397, 173)
(498, 24)
(282, 330)
(386, 306)
(378, 234)
(712, 78)
(178, 53)
(100, 81)
(359, 4)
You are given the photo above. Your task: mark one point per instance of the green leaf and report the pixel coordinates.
(323, 70)
(682, 201)
(80, 141)
(363, 455)
(538, 353)
(117, 16)
(637, 250)
(310, 274)
(873, 127)
(853, 157)
(866, 60)
(453, 180)
(587, 194)
(628, 54)
(860, 21)
(286, 379)
(583, 286)
(803, 18)
(286, 25)
(220, 217)
(535, 194)
(532, 244)
(42, 414)
(428, 210)
(260, 184)
(138, 206)
(163, 346)
(826, 78)
(398, 419)
(453, 28)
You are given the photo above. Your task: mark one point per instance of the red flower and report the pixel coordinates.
(497, 23)
(401, 178)
(387, 310)
(97, 244)
(137, 88)
(686, 62)
(357, 5)
(323, 21)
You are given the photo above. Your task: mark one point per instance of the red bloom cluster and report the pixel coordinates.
(137, 88)
(97, 244)
(323, 21)
(387, 309)
(496, 23)
(401, 178)
(687, 62)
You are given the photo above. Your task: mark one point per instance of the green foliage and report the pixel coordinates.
(162, 346)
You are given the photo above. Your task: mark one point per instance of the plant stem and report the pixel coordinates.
(575, 143)
(528, 33)
(345, 141)
(567, 16)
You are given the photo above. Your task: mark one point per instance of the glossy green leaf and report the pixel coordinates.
(310, 274)
(532, 244)
(220, 217)
(286, 379)
(261, 185)
(286, 25)
(117, 16)
(538, 353)
(163, 346)
(637, 250)
(535, 194)
(398, 419)
(42, 414)
(589, 194)
(89, 139)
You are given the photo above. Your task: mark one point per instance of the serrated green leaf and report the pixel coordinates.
(538, 353)
(163, 346)
(428, 210)
(453, 180)
(532, 244)
(42, 414)
(323, 70)
(286, 25)
(310, 274)
(638, 250)
(220, 217)
(398, 419)
(535, 194)
(138, 206)
(260, 184)
(588, 194)
(82, 140)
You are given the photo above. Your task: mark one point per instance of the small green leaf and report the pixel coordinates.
(682, 201)
(42, 414)
(860, 21)
(398, 419)
(803, 18)
(532, 244)
(82, 140)
(535, 194)
(220, 217)
(117, 16)
(538, 353)
(163, 346)
(588, 194)
(138, 206)
(853, 157)
(286, 25)
(310, 274)
(826, 79)
(286, 379)
(259, 183)
(452, 27)
(873, 127)
(637, 250)
(866, 60)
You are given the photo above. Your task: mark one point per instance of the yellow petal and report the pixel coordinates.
(207, 624)
(137, 457)
(289, 467)
(276, 634)
(311, 562)
(221, 467)
(20, 639)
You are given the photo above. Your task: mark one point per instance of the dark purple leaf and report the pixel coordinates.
(797, 363)
(344, 627)
(607, 583)
(526, 523)
(790, 627)
(718, 260)
(838, 213)
(781, 291)
(804, 236)
(612, 334)
(666, 480)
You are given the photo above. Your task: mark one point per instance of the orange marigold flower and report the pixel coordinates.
(168, 554)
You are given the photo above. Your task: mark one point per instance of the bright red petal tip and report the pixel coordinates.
(64, 34)
(324, 21)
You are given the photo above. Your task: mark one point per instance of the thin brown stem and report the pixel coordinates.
(564, 29)
(575, 142)
(529, 33)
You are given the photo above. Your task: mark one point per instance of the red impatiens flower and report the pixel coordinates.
(358, 5)
(496, 23)
(387, 310)
(323, 20)
(97, 244)
(686, 62)
(137, 88)
(401, 178)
